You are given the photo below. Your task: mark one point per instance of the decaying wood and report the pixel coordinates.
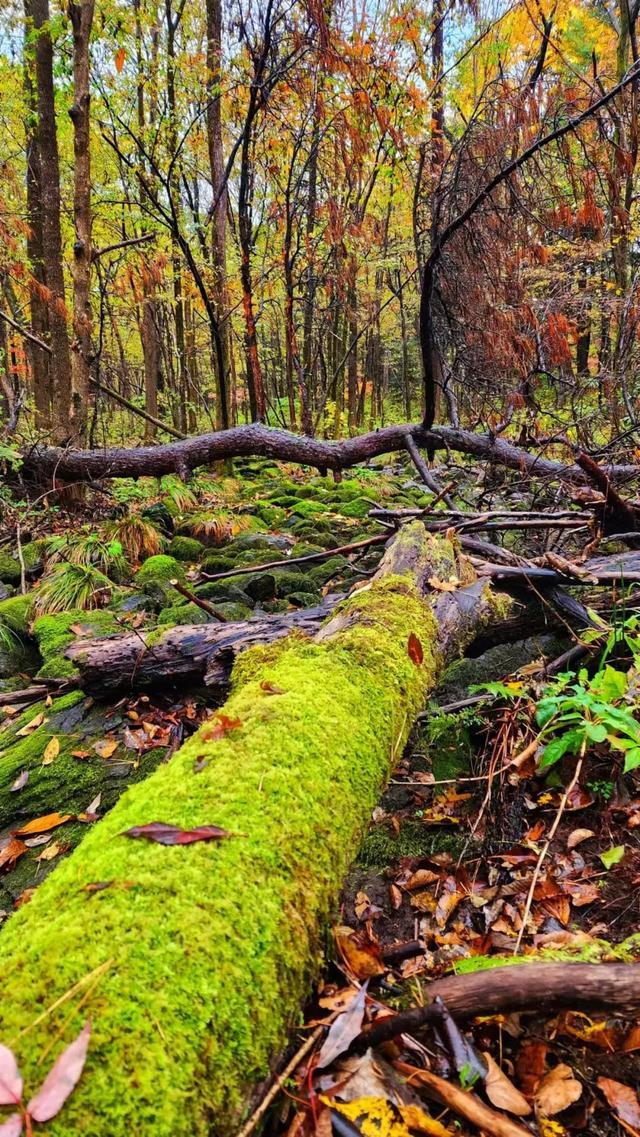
(542, 987)
(51, 462)
(308, 558)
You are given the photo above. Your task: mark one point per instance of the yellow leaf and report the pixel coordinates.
(373, 1117)
(418, 1121)
(106, 747)
(30, 726)
(51, 751)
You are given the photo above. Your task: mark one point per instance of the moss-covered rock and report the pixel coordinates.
(319, 574)
(9, 569)
(54, 633)
(303, 599)
(159, 569)
(259, 543)
(234, 611)
(308, 509)
(287, 581)
(186, 549)
(320, 532)
(356, 508)
(272, 515)
(218, 562)
(15, 612)
(215, 943)
(223, 590)
(188, 613)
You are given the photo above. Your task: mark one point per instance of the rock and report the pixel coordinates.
(288, 581)
(188, 613)
(325, 570)
(161, 517)
(303, 599)
(259, 541)
(15, 612)
(6, 590)
(235, 612)
(9, 569)
(54, 633)
(217, 590)
(186, 549)
(218, 562)
(159, 569)
(357, 508)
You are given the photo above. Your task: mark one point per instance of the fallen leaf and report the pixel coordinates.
(612, 856)
(622, 1099)
(418, 1121)
(395, 896)
(342, 1032)
(53, 850)
(10, 1079)
(339, 1000)
(43, 824)
(11, 852)
(632, 1041)
(105, 747)
(12, 1127)
(443, 585)
(164, 834)
(577, 836)
(501, 1091)
(271, 688)
(80, 753)
(51, 751)
(61, 1079)
(360, 953)
(20, 782)
(557, 1090)
(414, 648)
(24, 897)
(221, 727)
(31, 726)
(446, 905)
(531, 1064)
(94, 806)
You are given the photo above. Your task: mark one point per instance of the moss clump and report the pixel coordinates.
(593, 951)
(383, 847)
(218, 562)
(215, 943)
(186, 549)
(357, 508)
(319, 574)
(15, 613)
(303, 599)
(188, 613)
(160, 569)
(54, 633)
(9, 569)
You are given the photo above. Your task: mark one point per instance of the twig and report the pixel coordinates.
(210, 609)
(425, 473)
(545, 848)
(277, 1085)
(23, 568)
(378, 539)
(464, 1103)
(137, 410)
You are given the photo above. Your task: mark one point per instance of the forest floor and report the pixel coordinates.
(451, 875)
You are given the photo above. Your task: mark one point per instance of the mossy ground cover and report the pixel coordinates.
(212, 944)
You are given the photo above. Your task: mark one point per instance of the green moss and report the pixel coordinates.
(309, 509)
(9, 569)
(286, 581)
(186, 549)
(594, 951)
(159, 570)
(303, 599)
(356, 508)
(54, 633)
(188, 613)
(214, 944)
(15, 613)
(218, 562)
(319, 574)
(383, 847)
(32, 553)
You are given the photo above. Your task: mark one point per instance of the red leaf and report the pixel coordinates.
(12, 1127)
(171, 835)
(623, 1100)
(61, 1079)
(119, 61)
(221, 727)
(10, 1080)
(414, 647)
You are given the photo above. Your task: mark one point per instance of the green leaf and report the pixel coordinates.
(596, 731)
(610, 684)
(612, 856)
(632, 759)
(546, 710)
(558, 747)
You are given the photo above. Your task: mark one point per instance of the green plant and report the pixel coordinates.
(181, 495)
(89, 549)
(71, 586)
(588, 710)
(138, 536)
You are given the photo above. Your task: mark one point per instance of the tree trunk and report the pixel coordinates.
(40, 365)
(220, 202)
(214, 944)
(81, 16)
(47, 141)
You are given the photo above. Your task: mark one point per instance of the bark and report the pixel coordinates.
(81, 15)
(49, 168)
(220, 199)
(40, 363)
(258, 440)
(541, 987)
(215, 943)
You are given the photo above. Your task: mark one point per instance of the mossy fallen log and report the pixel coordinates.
(206, 951)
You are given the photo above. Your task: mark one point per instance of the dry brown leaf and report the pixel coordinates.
(578, 836)
(443, 585)
(446, 905)
(343, 1030)
(43, 824)
(632, 1041)
(11, 852)
(557, 1090)
(501, 1091)
(361, 955)
(51, 751)
(623, 1101)
(414, 648)
(52, 850)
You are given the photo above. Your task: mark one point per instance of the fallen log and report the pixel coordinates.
(198, 958)
(183, 456)
(193, 653)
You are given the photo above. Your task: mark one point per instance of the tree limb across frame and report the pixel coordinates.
(256, 440)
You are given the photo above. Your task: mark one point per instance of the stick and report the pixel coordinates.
(425, 473)
(277, 1085)
(206, 606)
(136, 410)
(378, 539)
(462, 1102)
(550, 987)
